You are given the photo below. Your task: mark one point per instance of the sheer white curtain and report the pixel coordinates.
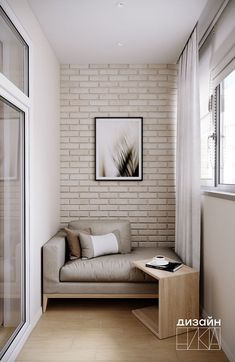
(188, 157)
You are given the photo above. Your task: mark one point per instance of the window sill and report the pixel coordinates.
(219, 194)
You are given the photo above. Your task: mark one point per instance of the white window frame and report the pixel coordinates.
(15, 96)
(218, 74)
(219, 186)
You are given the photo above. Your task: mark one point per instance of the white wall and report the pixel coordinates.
(44, 146)
(218, 252)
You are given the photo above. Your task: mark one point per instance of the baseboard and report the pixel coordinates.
(224, 345)
(16, 346)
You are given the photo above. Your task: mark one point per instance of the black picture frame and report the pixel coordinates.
(119, 148)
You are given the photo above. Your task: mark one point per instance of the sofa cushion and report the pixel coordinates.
(105, 226)
(97, 245)
(112, 268)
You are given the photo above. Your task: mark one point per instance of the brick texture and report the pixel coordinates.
(147, 91)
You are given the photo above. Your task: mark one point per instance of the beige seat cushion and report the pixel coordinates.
(112, 268)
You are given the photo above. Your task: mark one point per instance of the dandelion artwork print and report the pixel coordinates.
(119, 148)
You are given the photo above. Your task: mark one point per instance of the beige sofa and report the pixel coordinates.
(109, 276)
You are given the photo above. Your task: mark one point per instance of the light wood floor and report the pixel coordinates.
(102, 330)
(5, 333)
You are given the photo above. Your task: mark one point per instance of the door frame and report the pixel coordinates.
(15, 96)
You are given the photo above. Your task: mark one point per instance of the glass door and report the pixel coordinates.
(12, 223)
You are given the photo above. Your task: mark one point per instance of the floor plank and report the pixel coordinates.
(5, 334)
(102, 330)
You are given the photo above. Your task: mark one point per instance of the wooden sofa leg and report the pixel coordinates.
(44, 303)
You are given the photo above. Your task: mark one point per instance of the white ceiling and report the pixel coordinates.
(87, 31)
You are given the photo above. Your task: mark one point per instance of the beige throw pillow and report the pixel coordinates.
(97, 245)
(74, 242)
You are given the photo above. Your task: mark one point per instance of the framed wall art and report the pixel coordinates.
(119, 148)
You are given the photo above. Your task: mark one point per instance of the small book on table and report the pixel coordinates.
(170, 267)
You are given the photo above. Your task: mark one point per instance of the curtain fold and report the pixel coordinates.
(188, 157)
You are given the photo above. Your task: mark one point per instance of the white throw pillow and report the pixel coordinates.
(97, 245)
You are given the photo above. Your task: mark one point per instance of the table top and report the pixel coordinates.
(161, 274)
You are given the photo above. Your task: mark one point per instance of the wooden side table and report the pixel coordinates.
(178, 298)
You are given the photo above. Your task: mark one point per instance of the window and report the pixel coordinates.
(12, 206)
(226, 118)
(14, 54)
(217, 102)
(218, 138)
(14, 116)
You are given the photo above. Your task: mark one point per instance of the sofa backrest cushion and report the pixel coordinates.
(105, 226)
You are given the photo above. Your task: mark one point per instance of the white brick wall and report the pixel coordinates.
(147, 91)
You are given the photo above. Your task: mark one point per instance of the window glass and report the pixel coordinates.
(13, 54)
(227, 130)
(12, 205)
